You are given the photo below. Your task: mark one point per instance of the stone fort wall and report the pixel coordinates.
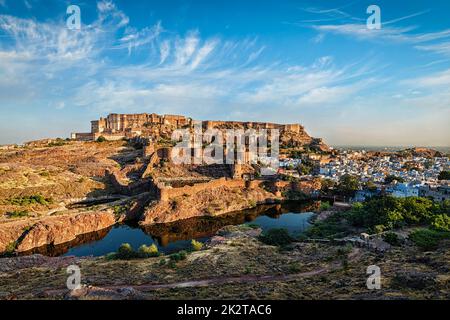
(166, 193)
(252, 125)
(121, 122)
(129, 125)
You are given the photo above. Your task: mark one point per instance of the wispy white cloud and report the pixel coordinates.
(436, 80)
(164, 50)
(356, 28)
(318, 38)
(206, 77)
(416, 14)
(203, 53)
(403, 34)
(110, 14)
(185, 48)
(441, 48)
(134, 39)
(28, 4)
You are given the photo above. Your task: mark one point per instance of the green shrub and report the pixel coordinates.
(126, 252)
(324, 205)
(10, 248)
(348, 185)
(441, 222)
(332, 227)
(148, 251)
(17, 214)
(182, 255)
(344, 251)
(428, 239)
(252, 203)
(301, 237)
(386, 212)
(391, 178)
(120, 210)
(345, 264)
(162, 262)
(57, 143)
(276, 237)
(110, 256)
(101, 139)
(44, 174)
(196, 245)
(295, 267)
(29, 200)
(391, 238)
(444, 175)
(295, 195)
(379, 228)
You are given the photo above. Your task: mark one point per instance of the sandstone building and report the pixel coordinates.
(118, 126)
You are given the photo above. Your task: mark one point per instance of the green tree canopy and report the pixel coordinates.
(391, 178)
(387, 212)
(348, 185)
(444, 175)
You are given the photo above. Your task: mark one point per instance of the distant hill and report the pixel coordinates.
(421, 152)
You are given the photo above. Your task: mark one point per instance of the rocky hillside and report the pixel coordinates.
(236, 265)
(211, 202)
(57, 173)
(421, 152)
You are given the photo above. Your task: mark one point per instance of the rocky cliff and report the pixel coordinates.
(212, 202)
(21, 236)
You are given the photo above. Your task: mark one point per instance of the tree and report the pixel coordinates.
(428, 164)
(327, 185)
(441, 222)
(391, 178)
(296, 154)
(444, 175)
(387, 213)
(348, 185)
(304, 169)
(101, 139)
(370, 185)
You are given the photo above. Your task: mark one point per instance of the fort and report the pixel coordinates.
(119, 126)
(181, 190)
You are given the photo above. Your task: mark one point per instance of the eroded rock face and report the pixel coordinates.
(214, 202)
(10, 232)
(63, 229)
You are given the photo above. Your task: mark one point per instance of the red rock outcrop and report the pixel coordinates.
(210, 202)
(10, 232)
(63, 229)
(27, 235)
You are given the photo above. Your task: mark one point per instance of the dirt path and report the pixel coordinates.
(195, 283)
(223, 280)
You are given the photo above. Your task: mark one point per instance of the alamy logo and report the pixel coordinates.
(231, 146)
(74, 280)
(374, 280)
(74, 20)
(374, 21)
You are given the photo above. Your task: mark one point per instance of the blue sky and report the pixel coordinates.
(312, 62)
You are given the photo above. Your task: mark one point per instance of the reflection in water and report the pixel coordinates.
(175, 236)
(203, 227)
(61, 249)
